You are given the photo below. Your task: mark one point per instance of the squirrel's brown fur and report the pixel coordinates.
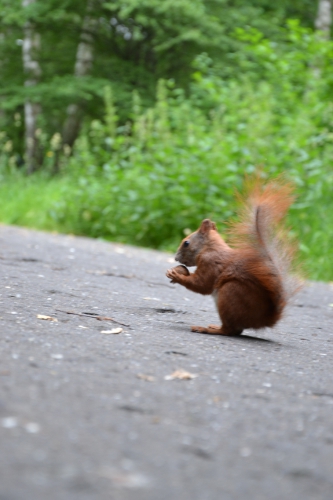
(249, 280)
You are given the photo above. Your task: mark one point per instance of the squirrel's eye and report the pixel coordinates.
(186, 243)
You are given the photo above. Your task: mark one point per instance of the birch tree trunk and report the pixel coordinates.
(83, 64)
(2, 113)
(324, 17)
(30, 50)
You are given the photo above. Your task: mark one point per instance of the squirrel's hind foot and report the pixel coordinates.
(215, 330)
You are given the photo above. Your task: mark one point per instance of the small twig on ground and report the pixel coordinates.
(88, 315)
(109, 273)
(128, 276)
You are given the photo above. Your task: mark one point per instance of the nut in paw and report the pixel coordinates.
(176, 271)
(181, 270)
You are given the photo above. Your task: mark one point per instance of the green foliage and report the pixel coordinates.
(135, 44)
(147, 168)
(154, 178)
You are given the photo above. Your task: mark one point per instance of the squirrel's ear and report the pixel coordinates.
(206, 225)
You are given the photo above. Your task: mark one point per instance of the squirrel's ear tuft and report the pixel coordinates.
(206, 225)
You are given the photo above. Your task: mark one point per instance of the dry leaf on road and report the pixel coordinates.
(57, 356)
(181, 374)
(48, 318)
(115, 330)
(148, 378)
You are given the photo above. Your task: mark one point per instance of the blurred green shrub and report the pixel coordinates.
(153, 179)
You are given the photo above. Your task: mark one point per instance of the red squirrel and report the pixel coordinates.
(249, 280)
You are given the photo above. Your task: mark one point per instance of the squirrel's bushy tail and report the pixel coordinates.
(261, 227)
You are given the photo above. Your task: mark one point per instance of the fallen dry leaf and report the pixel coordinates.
(48, 318)
(148, 378)
(57, 356)
(32, 427)
(9, 422)
(130, 480)
(180, 374)
(115, 330)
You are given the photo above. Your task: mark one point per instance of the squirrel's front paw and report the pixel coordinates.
(172, 275)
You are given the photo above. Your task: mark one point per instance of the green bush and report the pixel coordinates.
(153, 179)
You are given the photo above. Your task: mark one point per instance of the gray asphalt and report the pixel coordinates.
(87, 415)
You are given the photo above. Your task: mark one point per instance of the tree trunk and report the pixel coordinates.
(324, 17)
(30, 49)
(83, 63)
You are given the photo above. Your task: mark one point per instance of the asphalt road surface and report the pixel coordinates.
(153, 412)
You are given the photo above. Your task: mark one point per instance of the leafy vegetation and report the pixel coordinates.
(148, 171)
(134, 44)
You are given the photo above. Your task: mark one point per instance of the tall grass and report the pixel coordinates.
(32, 201)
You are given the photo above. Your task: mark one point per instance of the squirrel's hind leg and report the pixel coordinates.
(215, 330)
